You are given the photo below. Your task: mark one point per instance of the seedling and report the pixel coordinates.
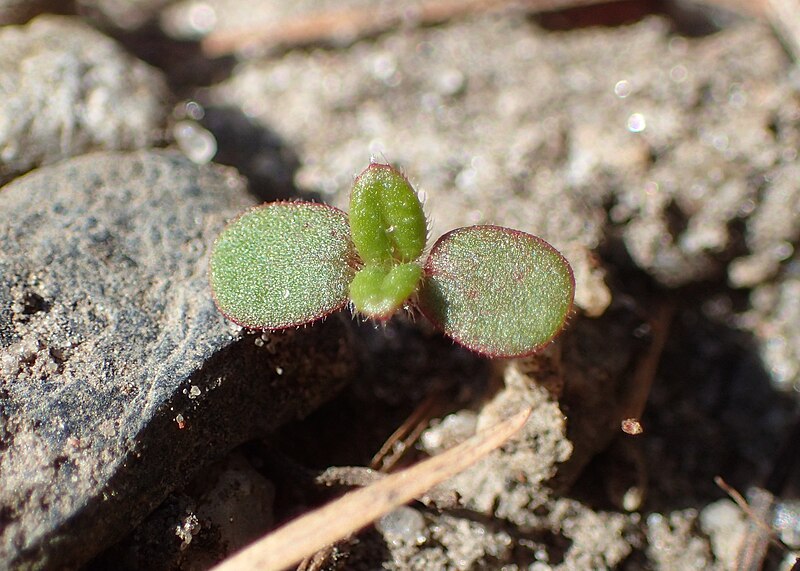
(496, 291)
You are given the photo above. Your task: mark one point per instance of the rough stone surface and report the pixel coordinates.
(66, 89)
(119, 377)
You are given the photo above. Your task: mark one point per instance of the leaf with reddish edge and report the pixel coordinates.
(283, 264)
(497, 291)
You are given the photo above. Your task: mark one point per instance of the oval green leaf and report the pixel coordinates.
(386, 218)
(282, 264)
(378, 293)
(497, 291)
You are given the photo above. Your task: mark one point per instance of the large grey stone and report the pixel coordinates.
(66, 89)
(118, 377)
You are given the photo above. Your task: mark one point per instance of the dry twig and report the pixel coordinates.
(384, 460)
(309, 533)
(350, 24)
(439, 496)
(405, 436)
(753, 548)
(784, 15)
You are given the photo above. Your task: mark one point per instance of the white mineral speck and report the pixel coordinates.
(197, 143)
(188, 529)
(782, 250)
(450, 82)
(719, 142)
(193, 110)
(27, 348)
(194, 392)
(636, 123)
(384, 66)
(678, 73)
(189, 21)
(9, 364)
(622, 88)
(404, 525)
(453, 429)
(202, 17)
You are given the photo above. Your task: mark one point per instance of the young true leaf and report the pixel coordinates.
(500, 292)
(283, 264)
(386, 218)
(378, 293)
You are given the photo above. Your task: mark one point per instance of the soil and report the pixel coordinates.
(654, 143)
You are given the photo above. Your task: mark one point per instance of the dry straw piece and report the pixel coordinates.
(309, 533)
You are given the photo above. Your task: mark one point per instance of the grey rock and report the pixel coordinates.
(118, 377)
(239, 504)
(66, 89)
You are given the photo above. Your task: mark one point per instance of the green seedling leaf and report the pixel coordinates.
(386, 218)
(497, 291)
(378, 293)
(283, 264)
